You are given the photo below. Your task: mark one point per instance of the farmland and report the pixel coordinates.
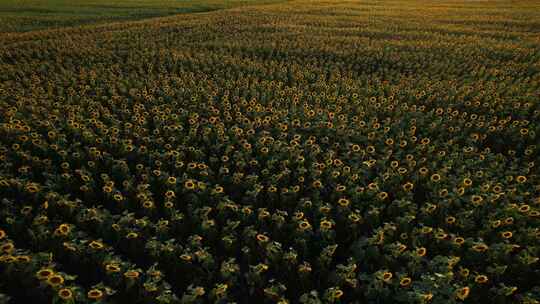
(27, 15)
(270, 151)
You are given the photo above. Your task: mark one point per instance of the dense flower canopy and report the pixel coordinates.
(305, 152)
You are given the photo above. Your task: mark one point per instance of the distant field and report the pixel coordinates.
(27, 15)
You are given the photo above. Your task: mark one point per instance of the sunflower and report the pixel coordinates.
(408, 186)
(171, 180)
(199, 291)
(480, 247)
(430, 208)
(506, 234)
(443, 192)
(132, 235)
(441, 235)
(263, 213)
(44, 273)
(247, 210)
(304, 225)
(404, 282)
(23, 258)
(262, 238)
(169, 194)
(463, 293)
(65, 294)
(343, 202)
(7, 258)
(112, 268)
(325, 225)
(459, 241)
(496, 223)
(261, 267)
(55, 280)
(382, 195)
(221, 289)
(401, 248)
(64, 229)
(421, 251)
(298, 215)
(476, 199)
(387, 277)
(427, 296)
(189, 184)
(132, 274)
(32, 188)
(7, 247)
(355, 218)
(524, 208)
(96, 245)
(186, 257)
(426, 230)
(481, 279)
(336, 294)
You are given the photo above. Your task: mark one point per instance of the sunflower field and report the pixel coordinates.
(378, 151)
